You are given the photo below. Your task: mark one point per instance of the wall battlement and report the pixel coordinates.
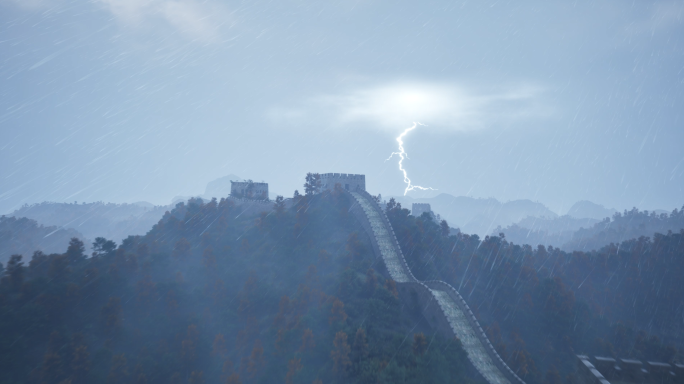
(249, 190)
(442, 306)
(418, 209)
(347, 181)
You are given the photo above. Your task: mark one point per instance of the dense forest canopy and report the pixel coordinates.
(209, 295)
(295, 294)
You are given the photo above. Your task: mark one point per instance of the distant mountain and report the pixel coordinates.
(479, 216)
(625, 226)
(220, 187)
(586, 234)
(534, 231)
(587, 209)
(112, 221)
(24, 236)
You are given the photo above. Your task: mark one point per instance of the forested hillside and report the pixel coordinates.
(24, 236)
(571, 234)
(541, 306)
(113, 221)
(295, 295)
(209, 296)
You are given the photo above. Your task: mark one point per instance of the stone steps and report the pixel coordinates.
(450, 306)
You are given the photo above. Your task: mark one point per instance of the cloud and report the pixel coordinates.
(663, 16)
(195, 20)
(392, 105)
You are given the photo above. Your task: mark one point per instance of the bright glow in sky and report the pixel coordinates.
(128, 100)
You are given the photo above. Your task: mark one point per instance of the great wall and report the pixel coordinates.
(440, 304)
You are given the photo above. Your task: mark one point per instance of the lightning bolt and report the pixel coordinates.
(403, 155)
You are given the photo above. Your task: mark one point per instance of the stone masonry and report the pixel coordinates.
(607, 370)
(442, 306)
(348, 182)
(418, 209)
(249, 190)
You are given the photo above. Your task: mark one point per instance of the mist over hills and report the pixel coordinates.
(587, 209)
(584, 227)
(24, 236)
(571, 234)
(479, 216)
(295, 290)
(113, 221)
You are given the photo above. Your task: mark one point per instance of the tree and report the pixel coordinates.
(392, 204)
(189, 345)
(15, 271)
(419, 344)
(51, 370)
(553, 376)
(444, 227)
(111, 313)
(360, 348)
(182, 248)
(354, 246)
(196, 377)
(219, 346)
(391, 286)
(118, 372)
(279, 206)
(284, 310)
(146, 291)
(337, 312)
(293, 366)
(340, 353)
(80, 360)
(371, 281)
(308, 342)
(233, 379)
(103, 247)
(312, 184)
(208, 259)
(256, 359)
(76, 250)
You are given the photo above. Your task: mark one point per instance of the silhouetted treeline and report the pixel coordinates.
(113, 221)
(625, 226)
(23, 236)
(213, 296)
(571, 234)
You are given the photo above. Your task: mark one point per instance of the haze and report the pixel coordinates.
(123, 100)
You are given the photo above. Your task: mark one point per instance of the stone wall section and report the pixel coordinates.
(348, 181)
(249, 189)
(442, 306)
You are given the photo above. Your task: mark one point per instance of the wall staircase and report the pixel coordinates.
(443, 306)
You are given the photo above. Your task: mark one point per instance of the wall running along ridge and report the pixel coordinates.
(442, 306)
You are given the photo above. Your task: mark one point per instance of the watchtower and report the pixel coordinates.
(418, 209)
(249, 190)
(347, 181)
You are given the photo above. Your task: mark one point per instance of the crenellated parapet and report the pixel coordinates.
(442, 306)
(347, 181)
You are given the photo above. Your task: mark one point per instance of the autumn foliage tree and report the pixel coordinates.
(340, 353)
(337, 313)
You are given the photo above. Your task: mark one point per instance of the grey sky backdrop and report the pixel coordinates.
(554, 101)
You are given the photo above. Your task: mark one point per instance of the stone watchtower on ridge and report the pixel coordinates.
(249, 190)
(418, 209)
(349, 182)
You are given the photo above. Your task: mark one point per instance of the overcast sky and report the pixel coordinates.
(553, 101)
